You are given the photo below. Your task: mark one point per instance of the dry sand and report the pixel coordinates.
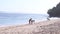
(42, 27)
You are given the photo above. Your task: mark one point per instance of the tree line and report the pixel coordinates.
(55, 11)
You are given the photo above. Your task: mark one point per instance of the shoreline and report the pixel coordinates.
(36, 21)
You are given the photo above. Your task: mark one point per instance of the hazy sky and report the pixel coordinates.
(27, 6)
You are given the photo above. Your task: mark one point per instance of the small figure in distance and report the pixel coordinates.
(30, 20)
(48, 18)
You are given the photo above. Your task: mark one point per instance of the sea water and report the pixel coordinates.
(16, 19)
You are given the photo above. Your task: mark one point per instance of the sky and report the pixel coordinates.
(27, 6)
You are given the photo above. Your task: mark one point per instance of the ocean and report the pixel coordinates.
(17, 19)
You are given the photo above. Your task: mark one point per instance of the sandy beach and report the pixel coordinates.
(42, 27)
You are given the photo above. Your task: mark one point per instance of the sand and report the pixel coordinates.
(42, 27)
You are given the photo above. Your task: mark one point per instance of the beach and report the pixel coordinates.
(43, 27)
